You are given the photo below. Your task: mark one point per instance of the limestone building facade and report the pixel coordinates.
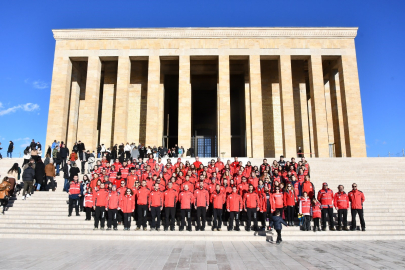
(252, 92)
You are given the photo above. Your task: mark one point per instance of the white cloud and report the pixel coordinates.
(28, 107)
(22, 139)
(40, 84)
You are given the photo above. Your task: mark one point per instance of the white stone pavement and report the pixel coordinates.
(79, 254)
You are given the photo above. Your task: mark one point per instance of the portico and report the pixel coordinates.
(253, 92)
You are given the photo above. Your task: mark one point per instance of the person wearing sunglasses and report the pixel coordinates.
(356, 198)
(325, 197)
(127, 206)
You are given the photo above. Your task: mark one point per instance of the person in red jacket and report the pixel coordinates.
(234, 206)
(100, 206)
(112, 208)
(170, 198)
(356, 198)
(316, 209)
(127, 206)
(341, 203)
(142, 203)
(186, 199)
(155, 207)
(88, 202)
(251, 204)
(305, 210)
(325, 197)
(217, 200)
(201, 203)
(289, 203)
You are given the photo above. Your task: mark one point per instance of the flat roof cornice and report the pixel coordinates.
(206, 33)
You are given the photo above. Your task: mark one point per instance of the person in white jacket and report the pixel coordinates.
(127, 150)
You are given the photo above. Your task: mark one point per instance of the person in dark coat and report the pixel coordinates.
(114, 152)
(57, 161)
(277, 225)
(73, 171)
(10, 149)
(33, 145)
(64, 154)
(40, 175)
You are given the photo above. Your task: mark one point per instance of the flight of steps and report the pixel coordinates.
(44, 215)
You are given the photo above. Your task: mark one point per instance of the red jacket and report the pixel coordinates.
(74, 188)
(186, 198)
(356, 199)
(316, 210)
(202, 198)
(341, 200)
(127, 203)
(305, 206)
(289, 198)
(218, 199)
(325, 197)
(277, 201)
(251, 200)
(131, 179)
(155, 199)
(101, 198)
(113, 200)
(143, 195)
(88, 200)
(243, 188)
(170, 198)
(234, 202)
(253, 181)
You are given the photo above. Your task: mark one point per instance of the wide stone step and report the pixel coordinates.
(364, 236)
(88, 225)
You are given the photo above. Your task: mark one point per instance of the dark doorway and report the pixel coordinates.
(204, 114)
(171, 111)
(238, 121)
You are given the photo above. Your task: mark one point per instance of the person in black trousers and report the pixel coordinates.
(277, 224)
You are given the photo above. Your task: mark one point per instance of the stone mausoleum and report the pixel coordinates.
(248, 92)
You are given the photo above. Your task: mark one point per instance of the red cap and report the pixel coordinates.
(325, 184)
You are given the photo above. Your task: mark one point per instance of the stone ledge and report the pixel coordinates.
(205, 33)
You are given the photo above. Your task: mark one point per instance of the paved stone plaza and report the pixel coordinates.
(65, 254)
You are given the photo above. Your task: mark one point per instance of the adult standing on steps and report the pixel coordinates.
(100, 203)
(10, 150)
(325, 197)
(28, 179)
(186, 199)
(75, 191)
(13, 175)
(341, 203)
(357, 198)
(234, 206)
(50, 175)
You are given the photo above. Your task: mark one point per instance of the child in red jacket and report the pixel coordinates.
(316, 213)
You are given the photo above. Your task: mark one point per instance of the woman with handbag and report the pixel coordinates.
(5, 187)
(13, 175)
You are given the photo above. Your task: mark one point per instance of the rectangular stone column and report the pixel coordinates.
(304, 116)
(121, 100)
(59, 100)
(184, 120)
(311, 130)
(337, 114)
(107, 115)
(248, 121)
(256, 106)
(134, 112)
(328, 108)
(287, 107)
(73, 112)
(351, 104)
(90, 134)
(153, 138)
(277, 120)
(320, 127)
(224, 105)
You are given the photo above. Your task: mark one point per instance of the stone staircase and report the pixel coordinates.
(44, 214)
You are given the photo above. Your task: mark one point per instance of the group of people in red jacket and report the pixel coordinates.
(217, 192)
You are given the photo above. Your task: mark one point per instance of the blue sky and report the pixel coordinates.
(27, 51)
